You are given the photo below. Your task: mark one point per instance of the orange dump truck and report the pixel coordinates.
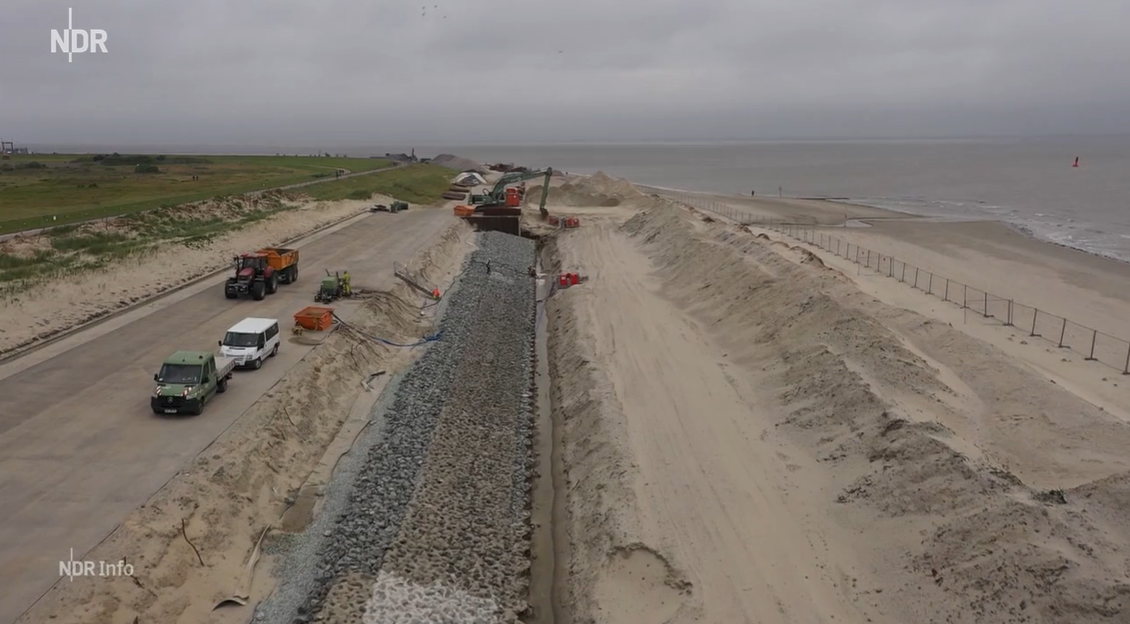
(283, 261)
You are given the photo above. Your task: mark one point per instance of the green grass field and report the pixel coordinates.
(41, 190)
(74, 248)
(417, 184)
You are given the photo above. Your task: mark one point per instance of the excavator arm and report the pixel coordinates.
(545, 194)
(500, 187)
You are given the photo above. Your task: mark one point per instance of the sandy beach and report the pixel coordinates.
(758, 431)
(987, 255)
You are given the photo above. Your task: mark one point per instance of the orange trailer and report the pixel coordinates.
(283, 261)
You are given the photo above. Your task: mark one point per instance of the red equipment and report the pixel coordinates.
(253, 275)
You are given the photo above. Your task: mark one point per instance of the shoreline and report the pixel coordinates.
(901, 215)
(988, 255)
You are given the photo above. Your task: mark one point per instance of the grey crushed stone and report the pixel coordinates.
(431, 507)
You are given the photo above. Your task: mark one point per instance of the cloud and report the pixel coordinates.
(281, 71)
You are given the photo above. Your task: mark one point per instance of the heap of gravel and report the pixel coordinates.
(433, 523)
(457, 163)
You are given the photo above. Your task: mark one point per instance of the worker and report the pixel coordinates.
(346, 289)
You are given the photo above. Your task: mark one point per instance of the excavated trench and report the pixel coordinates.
(550, 541)
(449, 505)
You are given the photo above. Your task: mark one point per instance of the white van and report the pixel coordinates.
(251, 341)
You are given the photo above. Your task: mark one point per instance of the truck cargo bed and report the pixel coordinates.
(224, 366)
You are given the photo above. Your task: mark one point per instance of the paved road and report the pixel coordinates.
(79, 446)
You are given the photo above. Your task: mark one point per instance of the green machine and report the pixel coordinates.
(333, 287)
(497, 194)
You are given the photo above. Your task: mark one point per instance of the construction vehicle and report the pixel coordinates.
(259, 273)
(333, 287)
(283, 261)
(188, 380)
(394, 207)
(544, 197)
(497, 195)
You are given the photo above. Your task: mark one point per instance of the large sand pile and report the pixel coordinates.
(70, 299)
(974, 490)
(251, 478)
(599, 189)
(458, 163)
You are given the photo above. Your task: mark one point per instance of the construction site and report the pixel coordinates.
(554, 400)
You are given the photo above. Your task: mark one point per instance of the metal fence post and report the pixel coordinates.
(916, 277)
(946, 297)
(1035, 313)
(837, 246)
(1009, 323)
(1126, 368)
(964, 296)
(903, 278)
(869, 258)
(890, 267)
(986, 305)
(930, 290)
(1062, 331)
(1094, 337)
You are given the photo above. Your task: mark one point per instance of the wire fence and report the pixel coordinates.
(1092, 344)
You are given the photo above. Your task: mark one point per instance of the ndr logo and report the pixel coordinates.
(76, 40)
(72, 568)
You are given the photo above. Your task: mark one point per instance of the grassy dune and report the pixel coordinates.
(42, 190)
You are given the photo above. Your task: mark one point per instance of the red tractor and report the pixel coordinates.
(254, 275)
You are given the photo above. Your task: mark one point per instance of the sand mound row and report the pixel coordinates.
(875, 412)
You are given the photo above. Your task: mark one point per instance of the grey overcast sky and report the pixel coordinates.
(272, 72)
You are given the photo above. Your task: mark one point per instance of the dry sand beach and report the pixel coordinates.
(753, 435)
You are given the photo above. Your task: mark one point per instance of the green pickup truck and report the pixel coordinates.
(188, 380)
